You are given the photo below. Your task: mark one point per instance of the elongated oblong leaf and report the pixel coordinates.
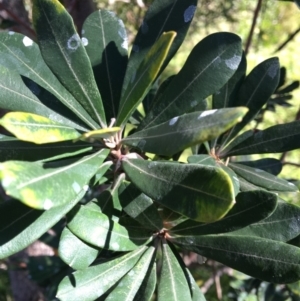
(262, 179)
(105, 41)
(75, 252)
(256, 90)
(36, 128)
(177, 186)
(99, 134)
(282, 225)
(180, 132)
(171, 15)
(99, 230)
(276, 139)
(21, 55)
(21, 225)
(65, 55)
(261, 258)
(94, 281)
(144, 77)
(250, 207)
(209, 66)
(42, 187)
(133, 279)
(172, 284)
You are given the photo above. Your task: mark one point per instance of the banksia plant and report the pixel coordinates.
(135, 170)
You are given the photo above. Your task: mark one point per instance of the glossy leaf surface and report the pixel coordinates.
(177, 187)
(143, 78)
(105, 39)
(256, 90)
(169, 15)
(133, 279)
(172, 285)
(74, 252)
(196, 292)
(21, 55)
(183, 131)
(209, 66)
(65, 55)
(42, 187)
(262, 179)
(99, 134)
(250, 207)
(282, 225)
(261, 258)
(37, 129)
(94, 281)
(99, 230)
(139, 206)
(276, 139)
(20, 225)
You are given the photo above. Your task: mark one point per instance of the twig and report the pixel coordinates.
(290, 163)
(290, 38)
(255, 16)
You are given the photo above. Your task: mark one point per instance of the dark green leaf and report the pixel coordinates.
(262, 179)
(148, 286)
(128, 286)
(270, 165)
(21, 55)
(177, 187)
(144, 76)
(276, 139)
(75, 252)
(172, 284)
(169, 15)
(202, 159)
(38, 129)
(226, 96)
(247, 186)
(261, 258)
(209, 66)
(250, 207)
(93, 282)
(65, 55)
(20, 225)
(42, 187)
(105, 41)
(99, 230)
(196, 292)
(139, 206)
(256, 90)
(183, 131)
(282, 225)
(13, 149)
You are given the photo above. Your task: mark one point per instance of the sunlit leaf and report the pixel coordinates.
(99, 134)
(75, 252)
(250, 207)
(42, 186)
(209, 66)
(94, 281)
(177, 187)
(37, 129)
(65, 55)
(183, 131)
(21, 55)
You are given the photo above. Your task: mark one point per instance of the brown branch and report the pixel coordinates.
(290, 38)
(254, 20)
(290, 163)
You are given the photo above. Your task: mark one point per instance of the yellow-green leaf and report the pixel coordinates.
(98, 134)
(37, 129)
